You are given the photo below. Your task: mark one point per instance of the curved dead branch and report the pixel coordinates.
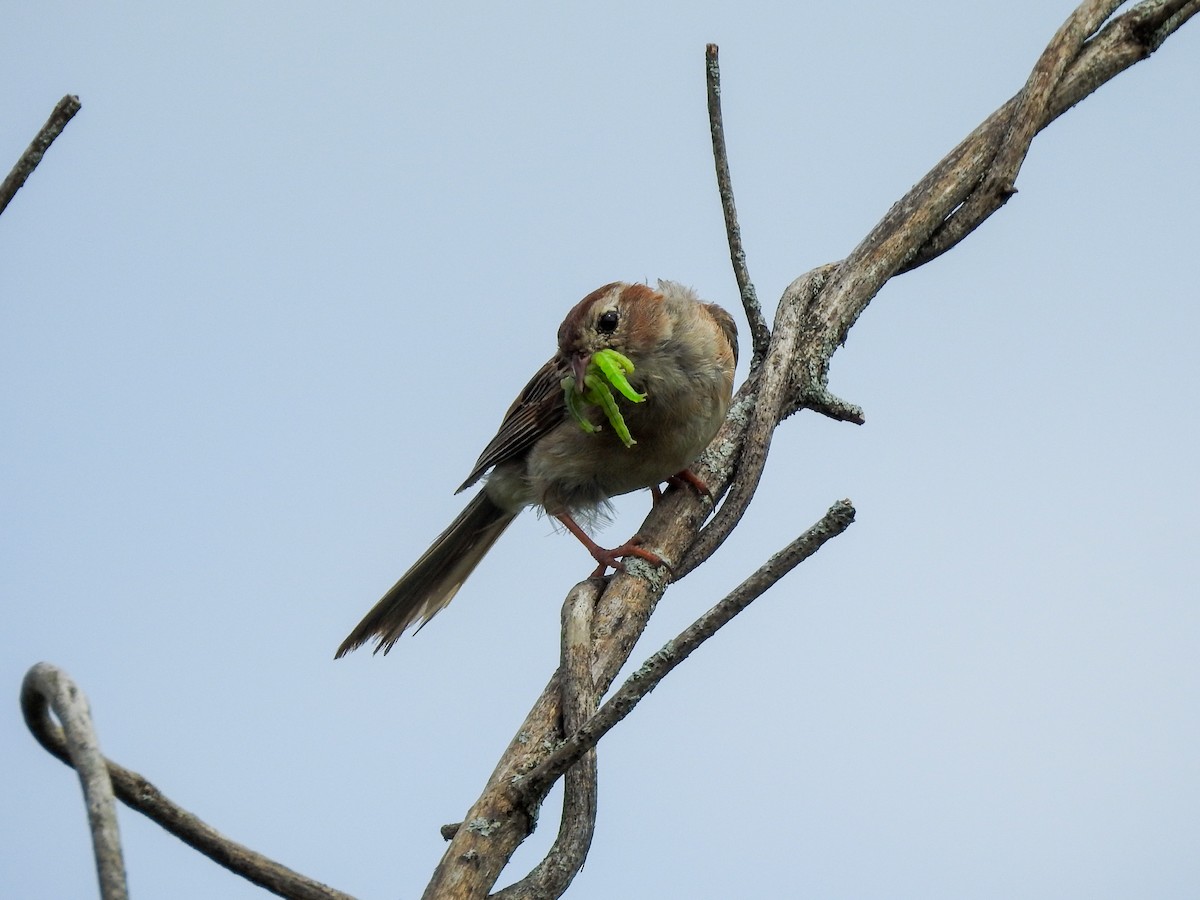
(137, 793)
(46, 689)
(554, 874)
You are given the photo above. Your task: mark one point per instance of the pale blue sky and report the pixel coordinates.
(268, 296)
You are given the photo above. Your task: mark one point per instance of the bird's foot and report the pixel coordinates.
(615, 558)
(610, 559)
(686, 478)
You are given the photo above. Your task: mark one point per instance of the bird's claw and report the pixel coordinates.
(614, 558)
(688, 477)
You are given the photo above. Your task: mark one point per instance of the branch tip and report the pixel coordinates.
(63, 112)
(760, 335)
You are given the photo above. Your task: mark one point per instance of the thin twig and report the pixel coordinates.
(760, 335)
(66, 108)
(647, 678)
(820, 400)
(136, 792)
(47, 688)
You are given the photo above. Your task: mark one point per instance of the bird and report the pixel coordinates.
(569, 459)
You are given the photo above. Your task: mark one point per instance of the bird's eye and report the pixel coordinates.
(607, 323)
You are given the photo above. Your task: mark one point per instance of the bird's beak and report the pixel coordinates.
(579, 366)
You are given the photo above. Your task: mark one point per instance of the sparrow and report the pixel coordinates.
(569, 459)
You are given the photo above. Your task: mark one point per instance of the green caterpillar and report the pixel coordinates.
(614, 367)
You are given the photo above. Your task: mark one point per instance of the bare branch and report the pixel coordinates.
(47, 688)
(503, 815)
(501, 818)
(1034, 98)
(1176, 12)
(820, 400)
(655, 669)
(136, 792)
(917, 228)
(773, 389)
(1026, 118)
(1127, 39)
(62, 114)
(553, 875)
(760, 336)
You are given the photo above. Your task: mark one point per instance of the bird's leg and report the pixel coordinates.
(681, 479)
(687, 476)
(609, 559)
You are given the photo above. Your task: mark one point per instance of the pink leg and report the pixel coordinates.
(687, 476)
(609, 559)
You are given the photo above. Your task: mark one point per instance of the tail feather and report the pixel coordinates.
(434, 579)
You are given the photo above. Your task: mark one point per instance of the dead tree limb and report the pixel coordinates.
(930, 219)
(137, 793)
(45, 690)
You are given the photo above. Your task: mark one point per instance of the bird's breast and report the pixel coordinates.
(570, 469)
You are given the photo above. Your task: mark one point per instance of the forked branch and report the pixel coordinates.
(806, 335)
(655, 669)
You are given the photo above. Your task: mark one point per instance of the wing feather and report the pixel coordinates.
(538, 409)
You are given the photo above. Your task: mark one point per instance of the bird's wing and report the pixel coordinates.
(727, 325)
(537, 409)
